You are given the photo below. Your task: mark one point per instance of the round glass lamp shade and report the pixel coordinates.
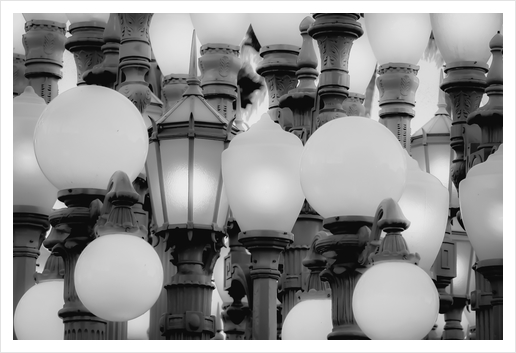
(36, 316)
(481, 205)
(86, 17)
(278, 28)
(465, 36)
(18, 31)
(226, 28)
(31, 189)
(310, 319)
(425, 203)
(86, 134)
(219, 272)
(395, 301)
(349, 165)
(118, 277)
(56, 17)
(398, 37)
(171, 40)
(361, 63)
(261, 174)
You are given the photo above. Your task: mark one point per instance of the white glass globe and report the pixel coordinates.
(86, 134)
(278, 28)
(395, 301)
(361, 63)
(424, 203)
(481, 205)
(31, 189)
(309, 319)
(465, 36)
(349, 165)
(171, 39)
(219, 272)
(83, 17)
(261, 175)
(56, 17)
(118, 277)
(36, 316)
(398, 37)
(226, 28)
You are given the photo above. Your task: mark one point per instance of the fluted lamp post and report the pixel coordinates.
(398, 41)
(189, 205)
(260, 170)
(19, 79)
(278, 35)
(44, 46)
(65, 127)
(221, 35)
(345, 174)
(86, 40)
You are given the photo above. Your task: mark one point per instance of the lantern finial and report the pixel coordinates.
(194, 84)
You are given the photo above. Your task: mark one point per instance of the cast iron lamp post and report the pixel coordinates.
(73, 119)
(189, 205)
(398, 41)
(221, 35)
(280, 42)
(260, 170)
(345, 190)
(19, 79)
(86, 40)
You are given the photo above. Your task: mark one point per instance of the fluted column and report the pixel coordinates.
(44, 46)
(335, 33)
(219, 65)
(72, 231)
(135, 56)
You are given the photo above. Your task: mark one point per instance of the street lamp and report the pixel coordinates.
(260, 170)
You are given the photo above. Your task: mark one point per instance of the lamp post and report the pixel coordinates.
(220, 35)
(86, 40)
(300, 101)
(19, 79)
(261, 177)
(280, 42)
(335, 34)
(72, 119)
(326, 183)
(189, 205)
(33, 195)
(44, 46)
(398, 41)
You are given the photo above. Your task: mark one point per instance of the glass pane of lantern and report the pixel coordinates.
(174, 159)
(206, 179)
(440, 162)
(223, 208)
(153, 181)
(465, 258)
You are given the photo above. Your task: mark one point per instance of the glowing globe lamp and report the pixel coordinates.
(349, 165)
(118, 277)
(86, 134)
(170, 42)
(278, 28)
(481, 205)
(87, 17)
(465, 36)
(260, 169)
(226, 28)
(361, 63)
(398, 37)
(32, 192)
(395, 300)
(56, 17)
(425, 203)
(310, 319)
(36, 316)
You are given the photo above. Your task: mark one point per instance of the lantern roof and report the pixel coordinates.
(193, 106)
